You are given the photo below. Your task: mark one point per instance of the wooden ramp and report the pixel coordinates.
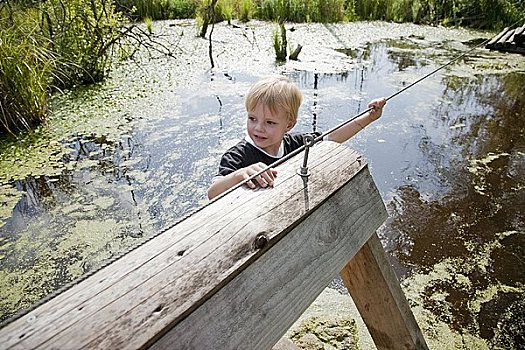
(239, 272)
(509, 40)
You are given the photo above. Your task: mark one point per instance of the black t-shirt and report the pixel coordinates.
(244, 153)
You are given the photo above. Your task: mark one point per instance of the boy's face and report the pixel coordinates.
(267, 129)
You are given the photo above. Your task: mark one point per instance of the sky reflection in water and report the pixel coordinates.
(448, 158)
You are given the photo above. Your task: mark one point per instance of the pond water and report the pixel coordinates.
(121, 161)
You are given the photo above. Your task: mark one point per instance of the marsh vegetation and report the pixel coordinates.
(52, 45)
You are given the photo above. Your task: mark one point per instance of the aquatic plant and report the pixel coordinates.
(149, 24)
(280, 42)
(227, 9)
(25, 69)
(246, 9)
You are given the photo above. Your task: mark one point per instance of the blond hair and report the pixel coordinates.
(277, 92)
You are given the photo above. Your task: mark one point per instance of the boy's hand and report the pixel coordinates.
(263, 180)
(377, 108)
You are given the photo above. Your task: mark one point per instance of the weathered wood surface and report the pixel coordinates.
(276, 289)
(495, 39)
(138, 299)
(375, 289)
(519, 35)
(509, 40)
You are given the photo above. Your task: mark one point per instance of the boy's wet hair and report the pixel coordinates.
(277, 92)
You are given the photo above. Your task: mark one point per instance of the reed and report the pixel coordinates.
(226, 8)
(280, 42)
(482, 14)
(50, 45)
(246, 10)
(270, 10)
(474, 13)
(158, 9)
(25, 70)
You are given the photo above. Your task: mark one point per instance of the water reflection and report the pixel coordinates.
(447, 157)
(479, 225)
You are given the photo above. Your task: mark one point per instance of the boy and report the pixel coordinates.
(272, 105)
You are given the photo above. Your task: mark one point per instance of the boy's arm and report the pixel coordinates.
(224, 183)
(344, 133)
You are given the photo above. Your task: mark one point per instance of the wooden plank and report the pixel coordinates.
(276, 289)
(520, 30)
(494, 40)
(133, 301)
(502, 42)
(375, 289)
(519, 36)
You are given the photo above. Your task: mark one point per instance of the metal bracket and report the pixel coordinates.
(309, 141)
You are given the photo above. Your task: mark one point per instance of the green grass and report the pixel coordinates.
(474, 13)
(25, 69)
(481, 14)
(49, 45)
(59, 44)
(158, 9)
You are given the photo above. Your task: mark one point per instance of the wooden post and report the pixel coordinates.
(376, 292)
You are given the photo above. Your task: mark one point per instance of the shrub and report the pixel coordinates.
(82, 34)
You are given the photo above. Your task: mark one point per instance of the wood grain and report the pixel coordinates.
(141, 297)
(376, 292)
(258, 306)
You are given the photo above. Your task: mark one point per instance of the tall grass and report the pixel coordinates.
(47, 45)
(301, 10)
(481, 14)
(475, 13)
(25, 69)
(270, 10)
(158, 9)
(246, 10)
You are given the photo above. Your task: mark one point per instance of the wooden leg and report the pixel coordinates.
(375, 289)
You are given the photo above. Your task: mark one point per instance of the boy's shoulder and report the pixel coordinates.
(294, 140)
(240, 148)
(239, 156)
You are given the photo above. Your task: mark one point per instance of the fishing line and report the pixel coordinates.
(252, 177)
(337, 127)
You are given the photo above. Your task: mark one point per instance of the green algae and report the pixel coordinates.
(429, 297)
(331, 309)
(326, 332)
(113, 192)
(38, 265)
(481, 168)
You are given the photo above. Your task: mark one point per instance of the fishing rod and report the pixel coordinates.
(305, 148)
(310, 143)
